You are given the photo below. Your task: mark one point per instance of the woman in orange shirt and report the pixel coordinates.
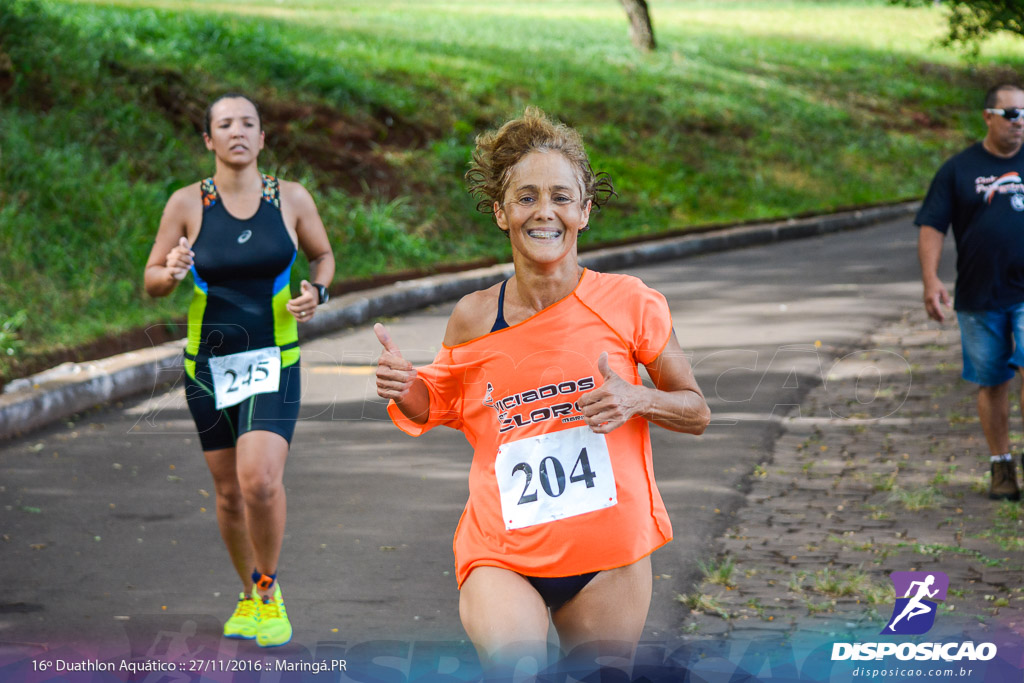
(540, 373)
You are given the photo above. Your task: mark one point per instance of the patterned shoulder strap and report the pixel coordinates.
(209, 191)
(271, 190)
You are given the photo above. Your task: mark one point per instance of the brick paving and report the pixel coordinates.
(883, 468)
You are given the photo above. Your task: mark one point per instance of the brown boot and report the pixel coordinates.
(1004, 482)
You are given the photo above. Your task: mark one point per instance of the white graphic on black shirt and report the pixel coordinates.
(1008, 183)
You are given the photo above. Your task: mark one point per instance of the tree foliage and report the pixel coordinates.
(972, 21)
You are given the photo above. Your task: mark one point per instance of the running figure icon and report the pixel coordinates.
(915, 606)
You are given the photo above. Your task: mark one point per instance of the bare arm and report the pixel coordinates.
(929, 252)
(676, 403)
(679, 403)
(171, 256)
(312, 236)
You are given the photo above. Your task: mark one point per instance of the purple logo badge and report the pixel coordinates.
(914, 611)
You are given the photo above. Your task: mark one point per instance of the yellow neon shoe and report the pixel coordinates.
(242, 623)
(273, 628)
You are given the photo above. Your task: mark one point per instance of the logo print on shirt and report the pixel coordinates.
(1005, 179)
(563, 410)
(244, 237)
(1017, 202)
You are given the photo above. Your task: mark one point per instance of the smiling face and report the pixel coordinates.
(543, 209)
(235, 136)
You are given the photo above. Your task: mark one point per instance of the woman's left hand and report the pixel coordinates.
(610, 405)
(303, 307)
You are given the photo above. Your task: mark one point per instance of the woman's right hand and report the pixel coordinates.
(395, 375)
(179, 259)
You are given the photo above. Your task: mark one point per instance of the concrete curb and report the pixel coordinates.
(47, 397)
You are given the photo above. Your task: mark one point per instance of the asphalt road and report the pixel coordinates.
(109, 538)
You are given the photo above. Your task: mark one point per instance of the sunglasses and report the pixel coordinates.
(1011, 114)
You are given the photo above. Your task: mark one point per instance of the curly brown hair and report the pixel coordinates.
(498, 152)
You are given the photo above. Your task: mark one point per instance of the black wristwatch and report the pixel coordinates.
(323, 296)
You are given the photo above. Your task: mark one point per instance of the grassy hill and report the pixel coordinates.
(747, 110)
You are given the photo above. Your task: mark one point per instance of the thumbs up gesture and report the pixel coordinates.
(179, 259)
(395, 375)
(613, 403)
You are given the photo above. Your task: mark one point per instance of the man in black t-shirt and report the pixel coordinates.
(980, 191)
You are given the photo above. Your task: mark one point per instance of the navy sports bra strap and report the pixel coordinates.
(499, 320)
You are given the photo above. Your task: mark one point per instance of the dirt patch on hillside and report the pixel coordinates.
(970, 77)
(6, 72)
(348, 152)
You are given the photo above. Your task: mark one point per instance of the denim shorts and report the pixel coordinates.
(993, 344)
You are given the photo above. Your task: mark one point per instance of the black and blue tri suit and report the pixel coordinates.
(242, 276)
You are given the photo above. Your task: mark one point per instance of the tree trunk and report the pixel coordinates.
(640, 30)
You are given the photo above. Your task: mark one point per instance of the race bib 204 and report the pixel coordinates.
(553, 476)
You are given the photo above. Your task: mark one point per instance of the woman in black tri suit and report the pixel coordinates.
(238, 233)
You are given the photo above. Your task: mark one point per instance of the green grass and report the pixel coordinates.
(940, 548)
(719, 572)
(1007, 526)
(922, 498)
(840, 583)
(704, 603)
(747, 110)
(943, 477)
